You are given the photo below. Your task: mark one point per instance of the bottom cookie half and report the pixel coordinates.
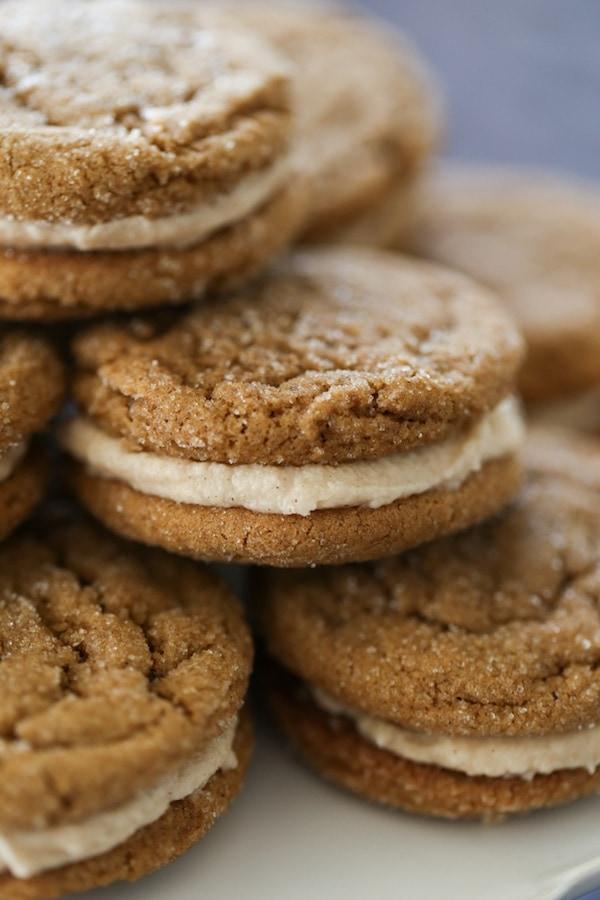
(150, 848)
(55, 285)
(333, 747)
(328, 536)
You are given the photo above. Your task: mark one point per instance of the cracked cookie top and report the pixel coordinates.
(111, 108)
(493, 632)
(31, 385)
(116, 664)
(367, 108)
(338, 355)
(535, 239)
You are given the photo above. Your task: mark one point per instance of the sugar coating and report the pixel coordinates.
(535, 238)
(32, 384)
(121, 108)
(337, 355)
(367, 110)
(117, 665)
(493, 632)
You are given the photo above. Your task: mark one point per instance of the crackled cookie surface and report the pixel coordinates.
(535, 238)
(168, 173)
(31, 388)
(123, 672)
(335, 411)
(368, 114)
(470, 662)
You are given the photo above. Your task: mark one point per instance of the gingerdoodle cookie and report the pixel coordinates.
(144, 156)
(535, 239)
(461, 679)
(31, 389)
(368, 115)
(334, 412)
(123, 673)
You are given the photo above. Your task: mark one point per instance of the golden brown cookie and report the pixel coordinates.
(123, 674)
(31, 389)
(534, 238)
(368, 115)
(296, 423)
(170, 172)
(460, 679)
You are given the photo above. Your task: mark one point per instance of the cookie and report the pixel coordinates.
(31, 389)
(335, 412)
(368, 115)
(460, 679)
(534, 238)
(123, 676)
(144, 156)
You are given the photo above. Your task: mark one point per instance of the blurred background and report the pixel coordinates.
(521, 77)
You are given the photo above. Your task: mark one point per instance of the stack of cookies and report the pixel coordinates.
(336, 410)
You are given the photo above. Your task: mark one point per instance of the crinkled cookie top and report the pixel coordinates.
(338, 355)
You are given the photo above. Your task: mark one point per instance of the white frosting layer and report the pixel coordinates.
(299, 490)
(494, 757)
(10, 459)
(26, 853)
(135, 232)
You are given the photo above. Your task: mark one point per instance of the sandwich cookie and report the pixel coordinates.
(144, 156)
(348, 406)
(367, 116)
(535, 239)
(123, 673)
(461, 679)
(31, 389)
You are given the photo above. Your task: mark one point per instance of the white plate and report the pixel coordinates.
(290, 836)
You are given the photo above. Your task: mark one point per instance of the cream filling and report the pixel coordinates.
(10, 459)
(135, 232)
(581, 412)
(299, 490)
(27, 853)
(494, 757)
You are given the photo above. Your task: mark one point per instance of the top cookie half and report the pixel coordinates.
(129, 128)
(123, 108)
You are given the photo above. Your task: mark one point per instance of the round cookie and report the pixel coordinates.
(31, 388)
(168, 174)
(460, 679)
(124, 672)
(535, 239)
(368, 115)
(292, 424)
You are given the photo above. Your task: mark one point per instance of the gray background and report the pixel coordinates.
(522, 77)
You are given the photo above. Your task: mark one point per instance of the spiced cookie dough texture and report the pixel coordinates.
(143, 156)
(368, 116)
(461, 679)
(123, 673)
(31, 389)
(351, 404)
(535, 239)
